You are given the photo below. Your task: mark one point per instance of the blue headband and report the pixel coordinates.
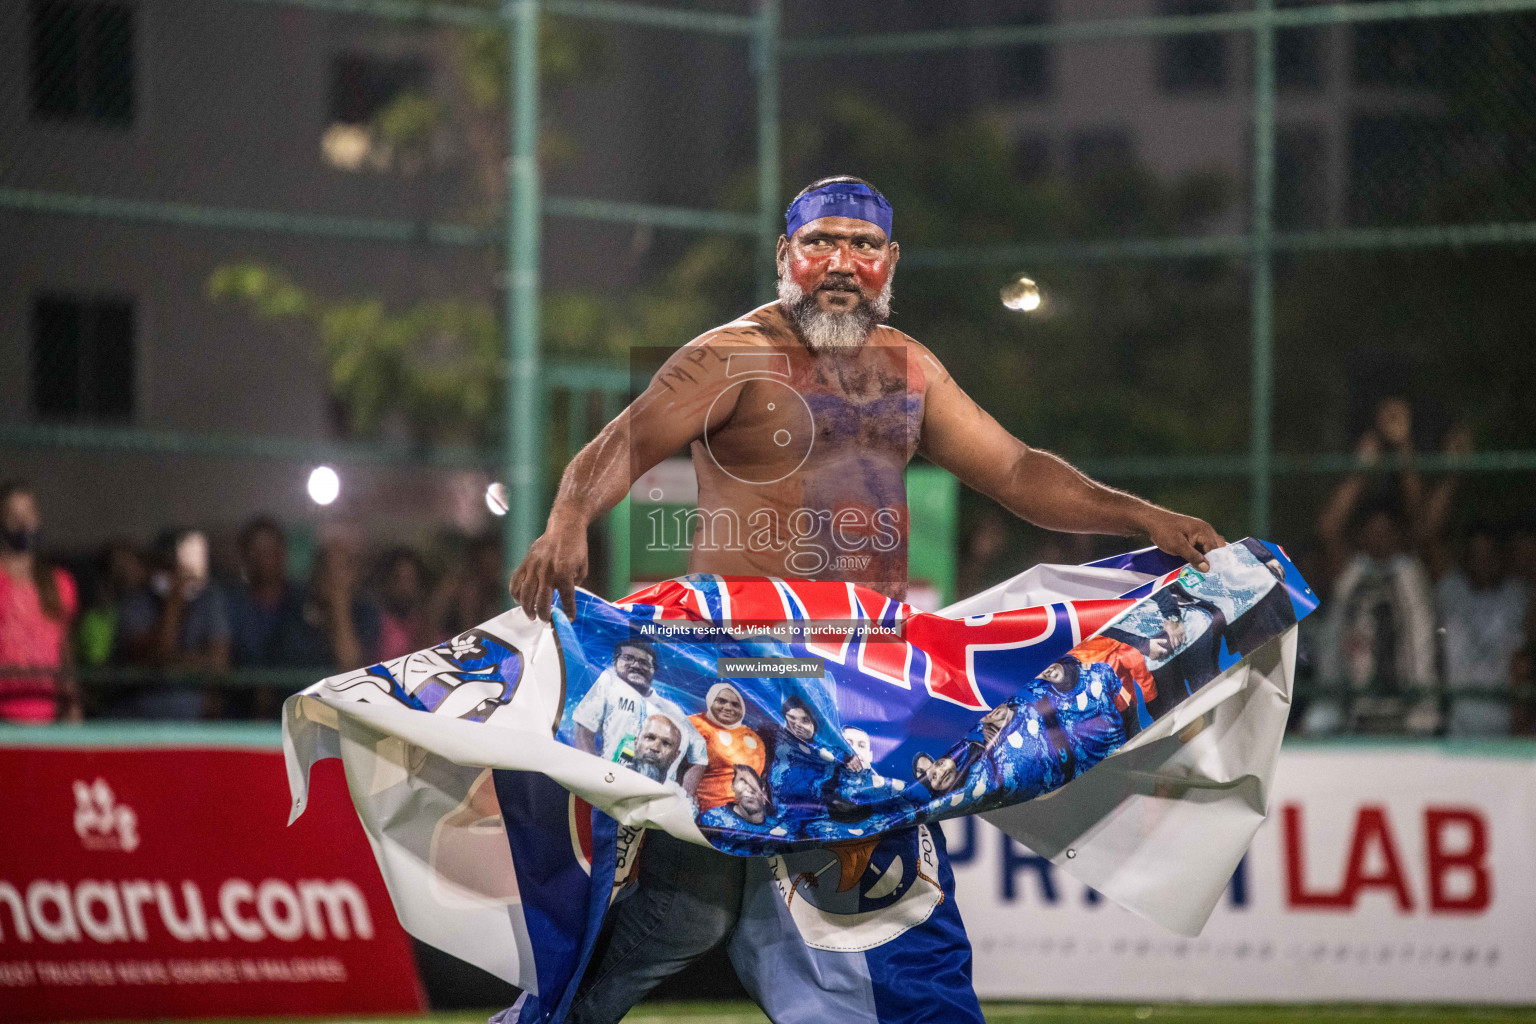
(840, 199)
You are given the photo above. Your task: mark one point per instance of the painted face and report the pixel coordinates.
(636, 667)
(751, 801)
(800, 724)
(1053, 674)
(839, 260)
(727, 708)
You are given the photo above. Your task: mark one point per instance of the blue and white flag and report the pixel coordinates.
(1121, 718)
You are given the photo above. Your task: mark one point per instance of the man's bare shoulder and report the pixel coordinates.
(709, 355)
(921, 355)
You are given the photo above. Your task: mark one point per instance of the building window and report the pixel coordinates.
(1195, 62)
(1101, 151)
(1301, 178)
(82, 358)
(380, 116)
(82, 61)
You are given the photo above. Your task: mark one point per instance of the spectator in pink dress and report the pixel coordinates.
(37, 604)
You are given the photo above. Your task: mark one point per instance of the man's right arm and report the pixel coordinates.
(688, 395)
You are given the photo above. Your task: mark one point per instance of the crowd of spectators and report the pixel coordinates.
(175, 632)
(1427, 624)
(1423, 630)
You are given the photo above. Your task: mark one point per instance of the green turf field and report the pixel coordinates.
(1113, 1013)
(1044, 1013)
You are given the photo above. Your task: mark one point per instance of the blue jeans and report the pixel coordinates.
(686, 902)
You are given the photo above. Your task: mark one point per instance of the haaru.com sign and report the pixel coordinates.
(125, 911)
(160, 882)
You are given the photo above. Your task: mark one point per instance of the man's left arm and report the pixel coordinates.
(1039, 487)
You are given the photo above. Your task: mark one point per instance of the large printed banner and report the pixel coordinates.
(162, 882)
(825, 730)
(1383, 873)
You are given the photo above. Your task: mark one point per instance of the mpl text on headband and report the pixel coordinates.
(839, 199)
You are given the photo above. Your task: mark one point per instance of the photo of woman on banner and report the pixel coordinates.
(803, 769)
(730, 742)
(941, 775)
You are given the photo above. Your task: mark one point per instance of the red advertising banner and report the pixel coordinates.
(164, 882)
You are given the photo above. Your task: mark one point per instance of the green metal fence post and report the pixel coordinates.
(618, 519)
(1262, 266)
(523, 445)
(765, 60)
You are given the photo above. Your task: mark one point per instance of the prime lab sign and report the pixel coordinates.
(1391, 873)
(164, 882)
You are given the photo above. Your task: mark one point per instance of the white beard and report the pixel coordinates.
(825, 331)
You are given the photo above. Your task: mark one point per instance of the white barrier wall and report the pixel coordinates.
(1389, 872)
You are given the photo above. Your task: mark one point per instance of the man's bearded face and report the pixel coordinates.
(656, 747)
(835, 281)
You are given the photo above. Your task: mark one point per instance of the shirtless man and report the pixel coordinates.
(800, 418)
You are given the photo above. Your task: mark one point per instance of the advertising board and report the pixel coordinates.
(164, 882)
(1383, 873)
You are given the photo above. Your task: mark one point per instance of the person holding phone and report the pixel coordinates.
(181, 624)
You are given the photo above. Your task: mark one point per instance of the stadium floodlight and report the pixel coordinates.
(324, 485)
(496, 498)
(1022, 294)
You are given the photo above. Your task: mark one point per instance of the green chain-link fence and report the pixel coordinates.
(1253, 219)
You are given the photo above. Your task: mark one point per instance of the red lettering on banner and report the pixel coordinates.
(1093, 616)
(951, 645)
(888, 660)
(1470, 859)
(1371, 826)
(824, 600)
(674, 600)
(1371, 829)
(176, 878)
(1296, 894)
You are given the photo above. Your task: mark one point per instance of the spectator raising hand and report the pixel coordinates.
(181, 623)
(1377, 648)
(338, 628)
